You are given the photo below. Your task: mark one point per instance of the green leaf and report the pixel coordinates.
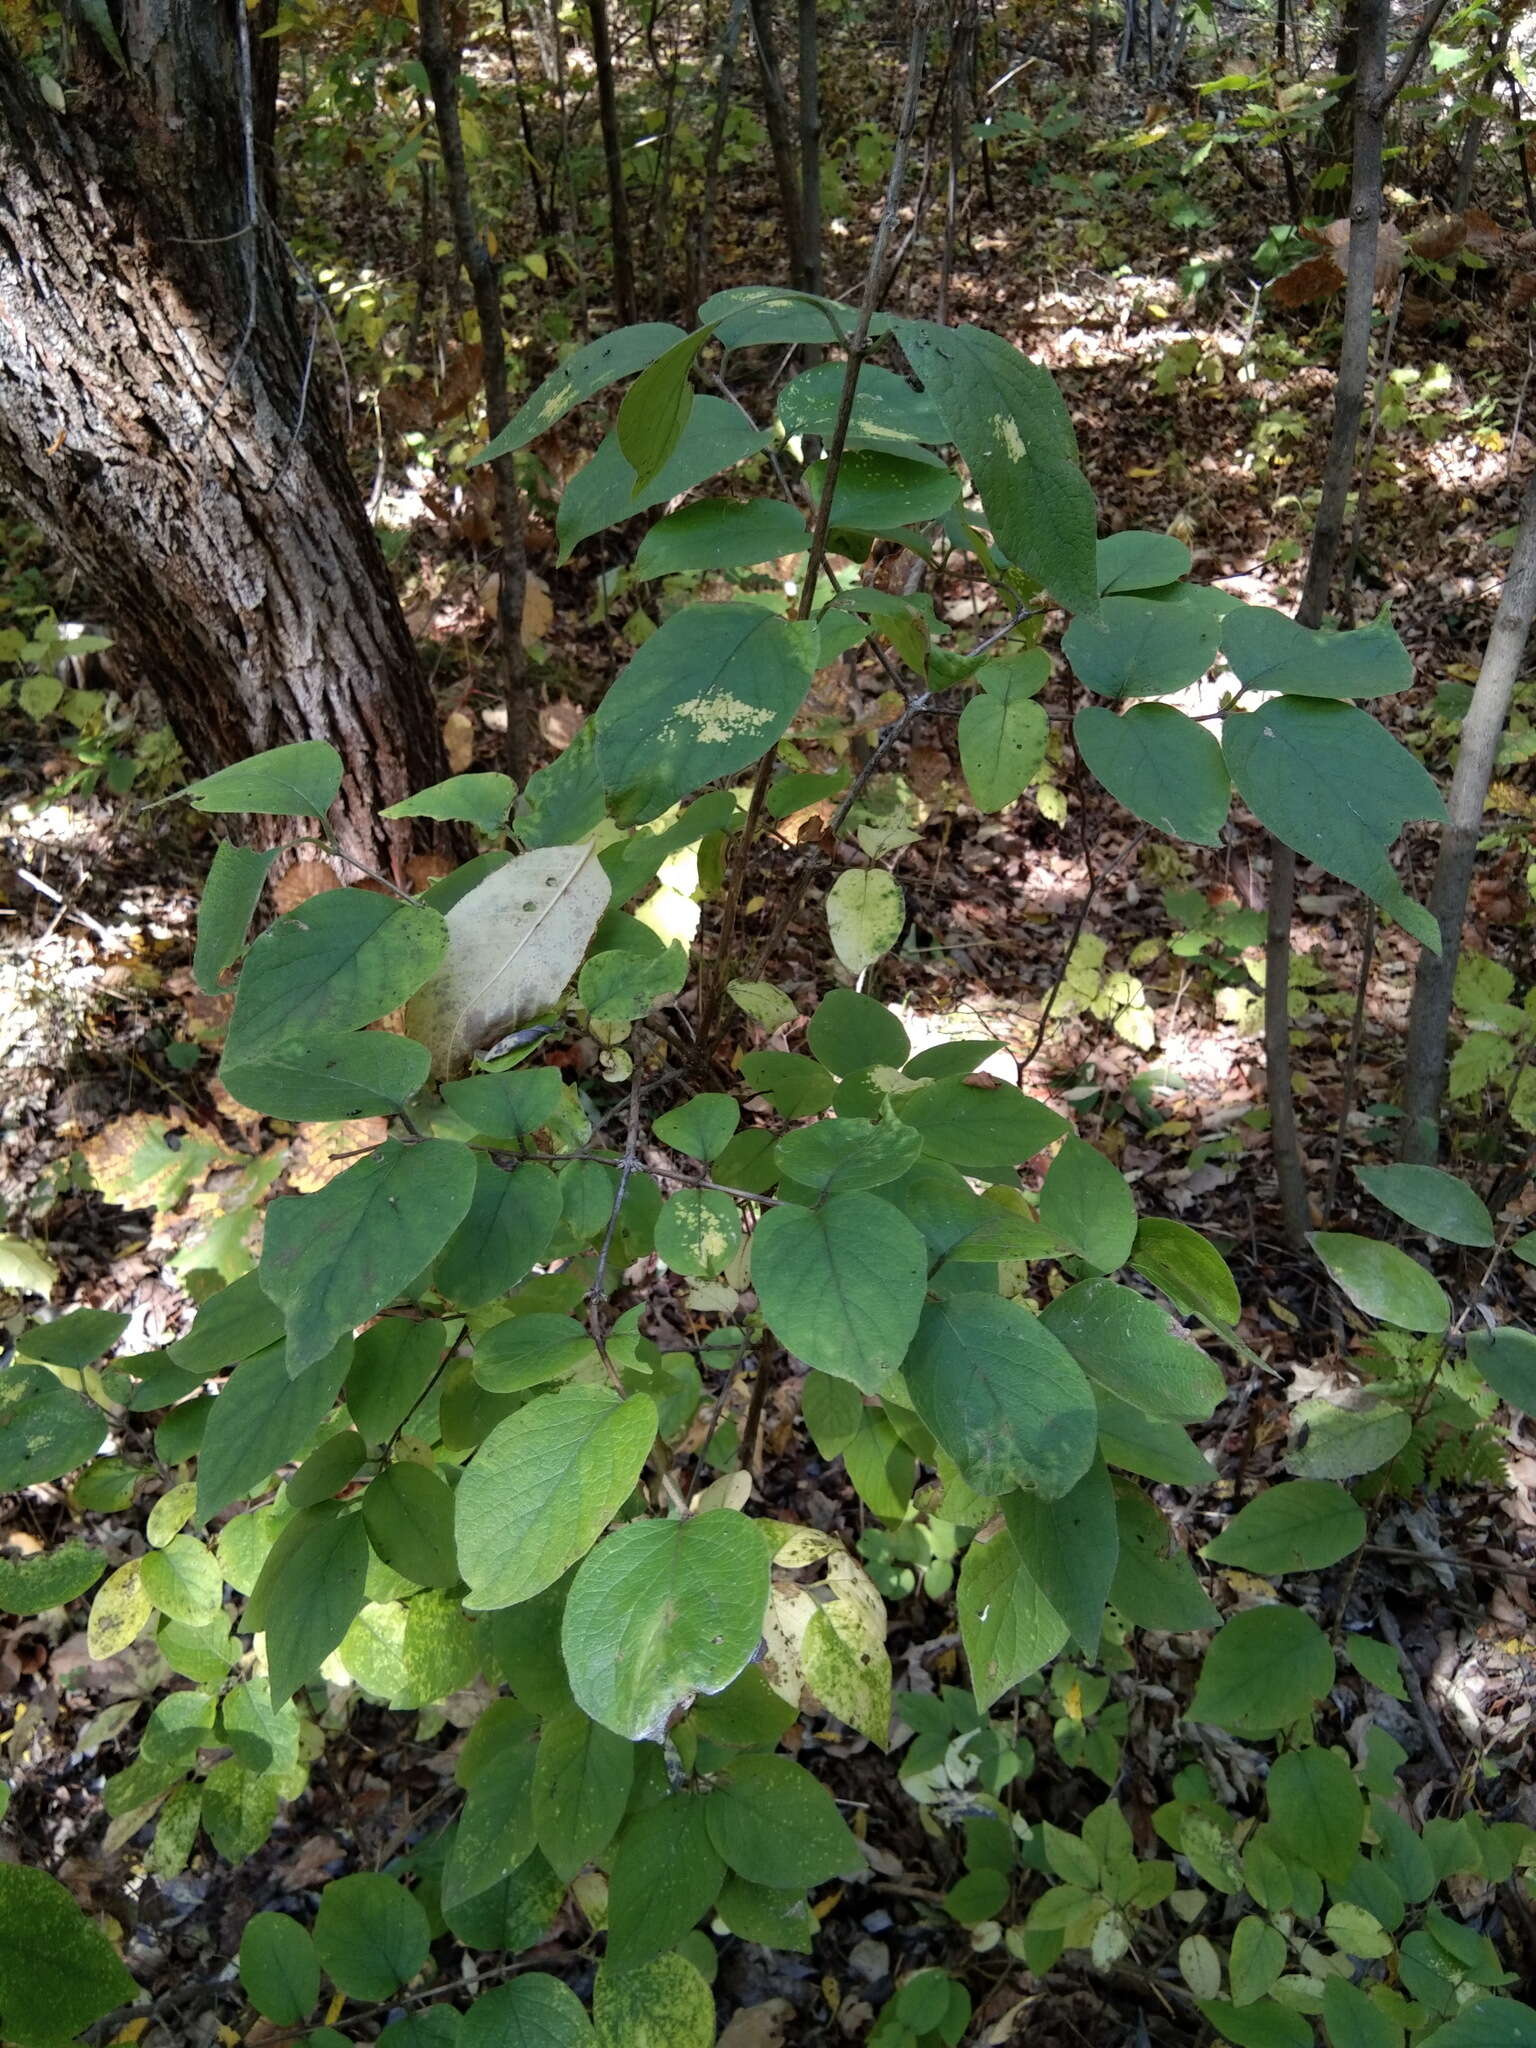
(1269, 651)
(988, 1132)
(330, 1260)
(841, 1286)
(1085, 1201)
(183, 1581)
(264, 1417)
(45, 1431)
(581, 1787)
(1257, 1959)
(1267, 1667)
(886, 408)
(371, 1935)
(1008, 1627)
(1070, 1547)
(299, 781)
(656, 408)
(720, 533)
(512, 1219)
(775, 1825)
(533, 2011)
(310, 1590)
(31, 1585)
(842, 1155)
(513, 944)
(876, 492)
(74, 1340)
(850, 1033)
(1315, 1810)
(1187, 1268)
(1352, 2021)
(1264, 2025)
(698, 1232)
(865, 915)
(617, 986)
(1376, 1662)
(495, 1832)
(412, 1653)
(1130, 1347)
(231, 1325)
(517, 1912)
(1486, 2023)
(26, 1270)
(1140, 561)
(708, 693)
(544, 1485)
(1141, 646)
(701, 1128)
(1301, 1525)
(1507, 1361)
(660, 1611)
(602, 492)
(239, 1807)
(279, 1969)
(1002, 1395)
(1009, 423)
(58, 1972)
(1166, 769)
(339, 961)
(582, 375)
(755, 1912)
(1002, 736)
(508, 1107)
(750, 315)
(230, 895)
(1430, 1200)
(665, 1876)
(1330, 782)
(408, 1513)
(1154, 1584)
(794, 1085)
(325, 1075)
(1383, 1282)
(482, 800)
(527, 1350)
(1341, 1438)
(843, 1425)
(664, 2004)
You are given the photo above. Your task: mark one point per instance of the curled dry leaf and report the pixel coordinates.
(513, 944)
(1327, 272)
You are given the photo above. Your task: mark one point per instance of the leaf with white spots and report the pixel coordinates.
(704, 697)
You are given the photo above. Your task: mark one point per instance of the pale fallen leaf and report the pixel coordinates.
(459, 740)
(759, 2026)
(513, 944)
(316, 1154)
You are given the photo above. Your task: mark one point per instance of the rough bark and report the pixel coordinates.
(163, 420)
(1481, 732)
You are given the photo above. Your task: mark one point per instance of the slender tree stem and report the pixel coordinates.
(858, 349)
(1481, 732)
(1372, 17)
(440, 60)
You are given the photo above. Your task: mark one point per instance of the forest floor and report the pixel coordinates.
(141, 1178)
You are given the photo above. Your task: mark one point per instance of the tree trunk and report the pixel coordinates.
(1481, 732)
(1367, 22)
(441, 61)
(810, 146)
(781, 146)
(162, 420)
(613, 156)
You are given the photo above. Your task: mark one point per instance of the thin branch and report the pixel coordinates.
(1410, 58)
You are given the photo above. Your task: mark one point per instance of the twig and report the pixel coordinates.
(1411, 56)
(1352, 1059)
(1432, 1735)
